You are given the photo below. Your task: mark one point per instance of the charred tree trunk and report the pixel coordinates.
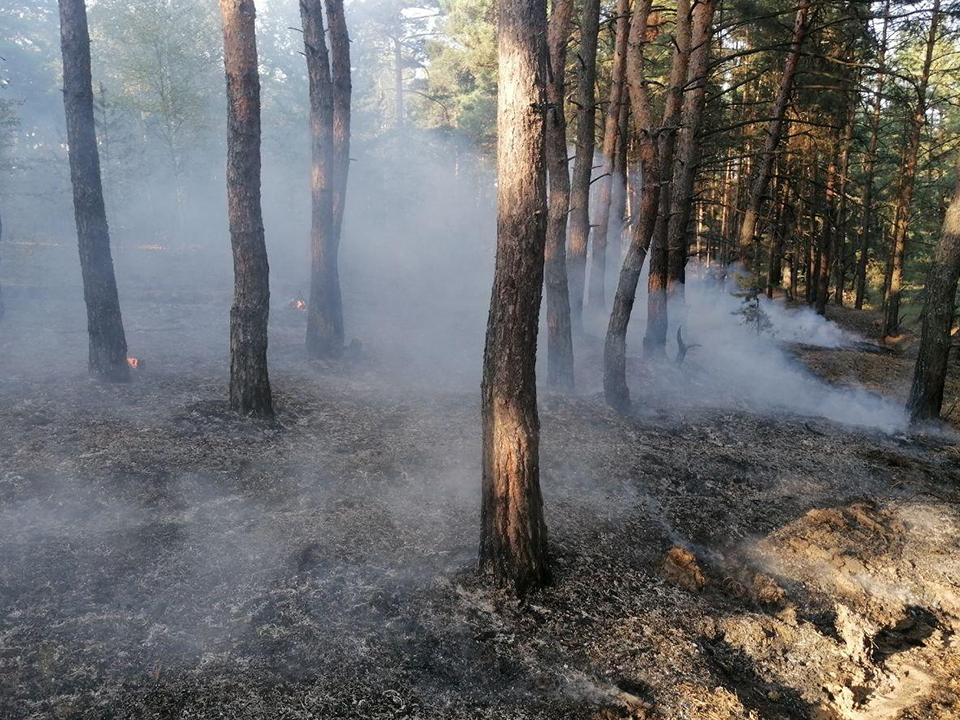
(615, 346)
(891, 317)
(688, 153)
(655, 339)
(108, 344)
(513, 537)
(748, 226)
(322, 307)
(249, 381)
(559, 336)
(930, 372)
(342, 91)
(611, 135)
(583, 164)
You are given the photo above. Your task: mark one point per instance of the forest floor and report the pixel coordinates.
(162, 558)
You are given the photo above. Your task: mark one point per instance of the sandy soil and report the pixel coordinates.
(160, 557)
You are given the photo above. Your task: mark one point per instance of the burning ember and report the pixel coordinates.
(133, 363)
(298, 303)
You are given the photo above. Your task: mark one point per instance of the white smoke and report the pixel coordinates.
(742, 359)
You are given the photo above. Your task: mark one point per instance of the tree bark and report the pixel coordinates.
(840, 219)
(615, 345)
(342, 92)
(618, 203)
(321, 309)
(513, 538)
(107, 341)
(748, 226)
(930, 372)
(655, 339)
(249, 380)
(611, 135)
(688, 153)
(871, 164)
(825, 252)
(559, 336)
(583, 164)
(891, 318)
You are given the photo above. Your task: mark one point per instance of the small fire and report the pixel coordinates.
(298, 303)
(133, 363)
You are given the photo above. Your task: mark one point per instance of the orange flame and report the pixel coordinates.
(133, 362)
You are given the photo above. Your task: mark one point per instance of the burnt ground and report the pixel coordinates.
(161, 558)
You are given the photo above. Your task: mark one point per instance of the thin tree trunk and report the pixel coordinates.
(871, 164)
(513, 537)
(559, 340)
(840, 220)
(774, 269)
(748, 226)
(688, 153)
(615, 346)
(108, 344)
(655, 338)
(249, 380)
(618, 207)
(583, 164)
(611, 134)
(321, 308)
(825, 253)
(930, 372)
(891, 318)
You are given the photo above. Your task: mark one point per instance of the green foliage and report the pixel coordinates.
(160, 58)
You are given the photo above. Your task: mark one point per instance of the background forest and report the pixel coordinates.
(425, 93)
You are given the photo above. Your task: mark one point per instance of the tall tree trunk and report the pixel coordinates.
(930, 372)
(583, 164)
(249, 381)
(827, 237)
(774, 269)
(891, 318)
(655, 339)
(688, 152)
(513, 537)
(615, 346)
(748, 226)
(611, 135)
(342, 91)
(321, 309)
(559, 340)
(618, 204)
(840, 219)
(107, 342)
(871, 164)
